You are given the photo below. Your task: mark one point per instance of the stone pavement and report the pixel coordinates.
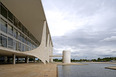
(28, 70)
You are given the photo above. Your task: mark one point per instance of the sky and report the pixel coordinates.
(85, 27)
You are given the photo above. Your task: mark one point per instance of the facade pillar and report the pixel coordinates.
(5, 59)
(27, 59)
(34, 59)
(14, 62)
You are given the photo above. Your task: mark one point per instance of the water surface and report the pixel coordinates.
(90, 70)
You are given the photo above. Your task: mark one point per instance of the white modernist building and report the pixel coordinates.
(24, 31)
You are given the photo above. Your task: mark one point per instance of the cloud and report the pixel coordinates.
(112, 38)
(86, 27)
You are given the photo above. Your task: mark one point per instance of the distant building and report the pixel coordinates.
(24, 31)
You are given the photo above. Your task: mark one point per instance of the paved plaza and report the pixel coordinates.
(28, 70)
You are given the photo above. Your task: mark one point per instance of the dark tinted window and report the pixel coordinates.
(4, 11)
(10, 43)
(14, 45)
(18, 46)
(16, 22)
(19, 35)
(3, 40)
(23, 29)
(15, 33)
(3, 26)
(23, 47)
(23, 38)
(10, 16)
(20, 26)
(10, 29)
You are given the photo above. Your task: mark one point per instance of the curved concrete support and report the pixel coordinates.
(43, 51)
(66, 56)
(51, 51)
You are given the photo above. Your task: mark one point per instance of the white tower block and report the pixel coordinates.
(66, 56)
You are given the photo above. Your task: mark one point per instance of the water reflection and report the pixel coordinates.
(90, 70)
(66, 71)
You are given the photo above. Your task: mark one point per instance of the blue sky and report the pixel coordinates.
(86, 27)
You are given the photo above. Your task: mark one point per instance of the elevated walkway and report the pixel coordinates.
(55, 56)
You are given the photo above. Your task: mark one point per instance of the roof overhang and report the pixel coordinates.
(30, 13)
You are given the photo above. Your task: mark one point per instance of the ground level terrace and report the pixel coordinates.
(28, 70)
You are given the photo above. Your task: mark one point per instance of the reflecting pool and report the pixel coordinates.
(90, 70)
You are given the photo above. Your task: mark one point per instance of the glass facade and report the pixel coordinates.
(15, 35)
(3, 40)
(18, 46)
(3, 26)
(10, 29)
(10, 43)
(14, 45)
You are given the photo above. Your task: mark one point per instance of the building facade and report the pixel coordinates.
(24, 31)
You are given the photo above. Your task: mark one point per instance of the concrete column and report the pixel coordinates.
(5, 59)
(27, 59)
(34, 59)
(66, 56)
(14, 62)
